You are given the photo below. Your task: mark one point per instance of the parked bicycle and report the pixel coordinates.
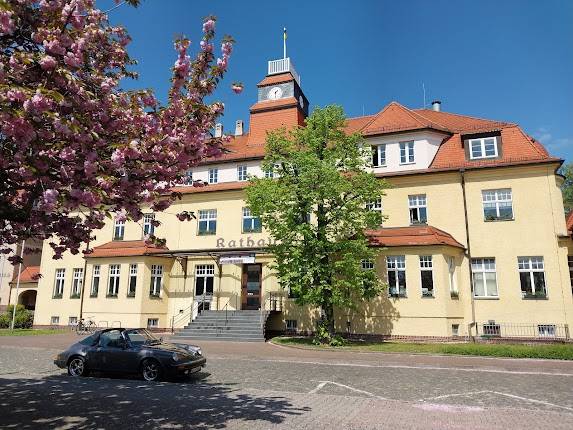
(88, 326)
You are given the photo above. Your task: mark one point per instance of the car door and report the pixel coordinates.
(112, 354)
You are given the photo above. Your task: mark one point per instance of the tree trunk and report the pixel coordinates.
(328, 310)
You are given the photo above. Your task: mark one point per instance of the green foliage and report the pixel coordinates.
(315, 209)
(567, 187)
(24, 318)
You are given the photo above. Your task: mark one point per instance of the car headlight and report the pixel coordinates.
(194, 350)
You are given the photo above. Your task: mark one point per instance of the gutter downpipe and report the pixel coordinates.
(469, 254)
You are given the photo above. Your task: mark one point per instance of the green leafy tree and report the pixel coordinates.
(315, 207)
(567, 187)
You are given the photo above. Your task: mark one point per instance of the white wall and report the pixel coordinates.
(227, 171)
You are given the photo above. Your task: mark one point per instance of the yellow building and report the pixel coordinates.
(475, 240)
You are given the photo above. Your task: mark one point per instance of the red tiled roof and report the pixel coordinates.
(28, 275)
(276, 79)
(125, 248)
(411, 236)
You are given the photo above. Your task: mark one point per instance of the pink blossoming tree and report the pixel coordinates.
(74, 147)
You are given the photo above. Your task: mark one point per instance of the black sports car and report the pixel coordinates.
(134, 351)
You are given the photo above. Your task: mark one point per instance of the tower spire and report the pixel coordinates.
(284, 42)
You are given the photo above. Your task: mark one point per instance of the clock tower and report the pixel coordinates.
(280, 101)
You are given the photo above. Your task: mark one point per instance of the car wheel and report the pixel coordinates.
(150, 370)
(77, 367)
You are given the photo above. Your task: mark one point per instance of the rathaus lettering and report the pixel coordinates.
(249, 242)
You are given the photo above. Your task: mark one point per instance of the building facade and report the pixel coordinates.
(475, 240)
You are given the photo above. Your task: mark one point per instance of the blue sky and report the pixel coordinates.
(508, 60)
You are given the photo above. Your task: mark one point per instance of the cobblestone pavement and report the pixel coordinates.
(262, 386)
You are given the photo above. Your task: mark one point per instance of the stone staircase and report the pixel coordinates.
(236, 326)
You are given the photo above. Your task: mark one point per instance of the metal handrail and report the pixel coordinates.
(226, 309)
(187, 312)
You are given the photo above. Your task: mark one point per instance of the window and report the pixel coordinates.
(497, 204)
(532, 277)
(375, 205)
(204, 279)
(251, 223)
(152, 322)
(378, 155)
(455, 329)
(77, 282)
(269, 173)
(188, 179)
(72, 320)
(426, 277)
(406, 152)
(118, 229)
(242, 173)
(485, 147)
(148, 227)
(113, 287)
(546, 330)
(95, 281)
(291, 326)
(207, 221)
(132, 280)
(54, 320)
(111, 339)
(396, 266)
(418, 209)
(213, 176)
(156, 280)
(367, 265)
(484, 277)
(59, 283)
(570, 263)
(491, 329)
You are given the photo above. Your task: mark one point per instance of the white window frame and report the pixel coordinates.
(375, 205)
(426, 265)
(396, 264)
(77, 282)
(156, 280)
(59, 282)
(204, 271)
(407, 155)
(188, 180)
(152, 322)
(482, 144)
(416, 202)
(132, 277)
(148, 227)
(55, 320)
(242, 172)
(546, 330)
(213, 175)
(532, 265)
(483, 266)
(570, 264)
(96, 271)
(367, 265)
(379, 155)
(208, 216)
(118, 229)
(498, 198)
(248, 216)
(72, 321)
(114, 276)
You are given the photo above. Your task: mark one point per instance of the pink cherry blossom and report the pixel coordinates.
(47, 62)
(6, 23)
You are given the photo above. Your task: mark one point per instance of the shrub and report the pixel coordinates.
(24, 318)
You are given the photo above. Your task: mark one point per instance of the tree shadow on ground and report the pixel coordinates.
(85, 403)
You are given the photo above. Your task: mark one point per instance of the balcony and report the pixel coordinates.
(282, 66)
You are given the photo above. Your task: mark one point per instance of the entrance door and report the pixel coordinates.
(251, 286)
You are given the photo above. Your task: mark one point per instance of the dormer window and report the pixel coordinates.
(484, 147)
(406, 152)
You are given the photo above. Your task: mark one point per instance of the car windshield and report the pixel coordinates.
(141, 337)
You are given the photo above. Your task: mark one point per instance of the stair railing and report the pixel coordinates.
(226, 309)
(182, 316)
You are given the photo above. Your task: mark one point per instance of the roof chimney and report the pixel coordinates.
(218, 130)
(239, 127)
(436, 105)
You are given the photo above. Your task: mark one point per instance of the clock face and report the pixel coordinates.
(275, 93)
(301, 101)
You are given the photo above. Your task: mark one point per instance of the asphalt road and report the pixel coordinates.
(262, 386)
